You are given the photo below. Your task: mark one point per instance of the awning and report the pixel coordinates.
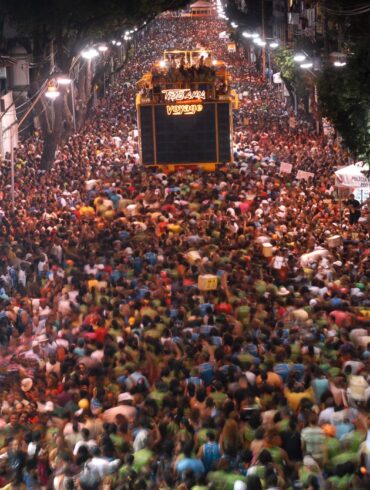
(353, 176)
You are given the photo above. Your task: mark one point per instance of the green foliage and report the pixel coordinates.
(289, 71)
(344, 95)
(284, 59)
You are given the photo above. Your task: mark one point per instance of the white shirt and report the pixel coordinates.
(91, 443)
(365, 449)
(251, 377)
(326, 416)
(103, 467)
(31, 449)
(140, 440)
(88, 269)
(22, 277)
(97, 355)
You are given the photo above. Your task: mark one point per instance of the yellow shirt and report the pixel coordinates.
(92, 283)
(86, 211)
(294, 399)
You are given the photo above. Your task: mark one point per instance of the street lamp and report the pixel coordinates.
(64, 80)
(89, 54)
(251, 35)
(103, 48)
(265, 46)
(339, 63)
(306, 66)
(52, 92)
(299, 57)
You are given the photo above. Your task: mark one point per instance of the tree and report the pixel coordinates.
(59, 30)
(289, 72)
(344, 97)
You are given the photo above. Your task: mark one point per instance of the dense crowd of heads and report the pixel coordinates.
(118, 371)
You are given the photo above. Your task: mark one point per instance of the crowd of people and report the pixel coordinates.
(117, 371)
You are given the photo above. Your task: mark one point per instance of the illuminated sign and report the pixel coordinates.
(174, 95)
(183, 109)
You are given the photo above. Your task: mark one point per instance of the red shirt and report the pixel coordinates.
(101, 333)
(224, 308)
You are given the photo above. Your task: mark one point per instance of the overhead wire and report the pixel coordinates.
(361, 9)
(30, 98)
(32, 122)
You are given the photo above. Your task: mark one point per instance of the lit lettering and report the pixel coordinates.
(183, 109)
(174, 95)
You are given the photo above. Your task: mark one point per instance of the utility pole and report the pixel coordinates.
(73, 105)
(12, 192)
(286, 22)
(263, 37)
(52, 56)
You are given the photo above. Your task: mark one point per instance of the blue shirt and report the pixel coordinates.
(151, 257)
(342, 429)
(282, 370)
(319, 387)
(336, 301)
(203, 308)
(206, 372)
(193, 464)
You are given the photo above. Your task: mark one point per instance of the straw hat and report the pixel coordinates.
(283, 291)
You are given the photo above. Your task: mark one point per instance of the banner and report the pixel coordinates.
(301, 174)
(286, 168)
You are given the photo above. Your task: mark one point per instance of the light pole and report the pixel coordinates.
(89, 55)
(260, 42)
(271, 46)
(266, 46)
(252, 36)
(306, 64)
(68, 81)
(103, 49)
(12, 191)
(263, 37)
